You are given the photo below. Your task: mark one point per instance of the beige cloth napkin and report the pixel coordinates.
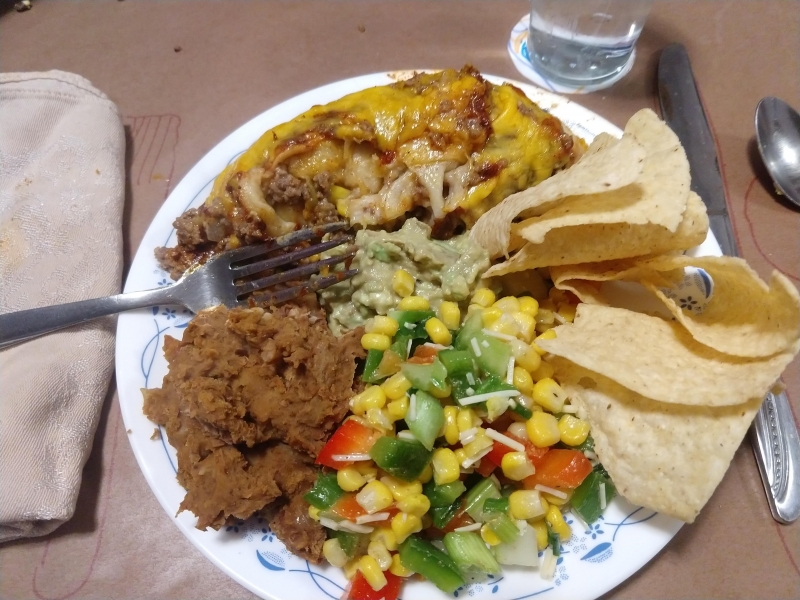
(62, 174)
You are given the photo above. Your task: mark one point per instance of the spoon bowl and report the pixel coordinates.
(778, 135)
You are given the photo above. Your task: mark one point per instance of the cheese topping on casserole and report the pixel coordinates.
(444, 147)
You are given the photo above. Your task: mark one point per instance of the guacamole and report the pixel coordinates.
(443, 270)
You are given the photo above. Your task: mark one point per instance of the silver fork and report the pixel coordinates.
(209, 285)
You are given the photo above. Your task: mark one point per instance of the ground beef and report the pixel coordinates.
(211, 228)
(250, 398)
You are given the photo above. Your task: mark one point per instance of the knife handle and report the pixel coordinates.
(777, 449)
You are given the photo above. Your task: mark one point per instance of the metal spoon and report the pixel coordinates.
(778, 134)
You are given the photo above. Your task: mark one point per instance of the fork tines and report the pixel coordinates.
(301, 290)
(244, 262)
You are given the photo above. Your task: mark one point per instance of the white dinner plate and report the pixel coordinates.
(593, 561)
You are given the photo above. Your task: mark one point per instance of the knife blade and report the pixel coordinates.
(776, 444)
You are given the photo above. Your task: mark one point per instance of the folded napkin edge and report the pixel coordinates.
(72, 79)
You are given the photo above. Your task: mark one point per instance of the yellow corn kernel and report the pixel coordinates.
(450, 314)
(461, 456)
(516, 466)
(374, 497)
(557, 523)
(530, 359)
(372, 397)
(545, 506)
(491, 315)
(450, 425)
(545, 316)
(385, 536)
(550, 334)
(465, 419)
(528, 305)
(523, 381)
(381, 555)
(574, 431)
(445, 393)
(509, 304)
(349, 479)
(234, 242)
(438, 332)
(549, 395)
(367, 469)
(505, 325)
(550, 499)
(526, 325)
(483, 297)
(426, 475)
(343, 207)
(401, 489)
(489, 536)
(397, 568)
(414, 303)
(446, 466)
(567, 311)
(525, 504)
(371, 571)
(481, 442)
(313, 512)
(379, 419)
(333, 553)
(375, 341)
(403, 283)
(545, 371)
(403, 525)
(384, 325)
(540, 528)
(414, 504)
(542, 429)
(397, 409)
(338, 192)
(350, 569)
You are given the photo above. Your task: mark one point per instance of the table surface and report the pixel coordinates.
(185, 74)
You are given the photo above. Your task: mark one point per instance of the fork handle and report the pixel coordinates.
(23, 325)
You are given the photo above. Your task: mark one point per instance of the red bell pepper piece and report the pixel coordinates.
(499, 450)
(359, 589)
(351, 438)
(348, 508)
(560, 468)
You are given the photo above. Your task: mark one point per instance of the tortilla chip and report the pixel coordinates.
(744, 316)
(667, 457)
(604, 242)
(617, 165)
(658, 196)
(660, 360)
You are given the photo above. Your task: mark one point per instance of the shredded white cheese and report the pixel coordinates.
(381, 516)
(505, 440)
(551, 491)
(470, 378)
(412, 408)
(353, 527)
(408, 348)
(499, 336)
(475, 348)
(602, 491)
(548, 567)
(568, 408)
(465, 437)
(470, 392)
(561, 320)
(470, 527)
(406, 435)
(483, 397)
(510, 372)
(484, 343)
(477, 458)
(350, 457)
(411, 325)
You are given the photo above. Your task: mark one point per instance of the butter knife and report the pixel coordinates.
(773, 434)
